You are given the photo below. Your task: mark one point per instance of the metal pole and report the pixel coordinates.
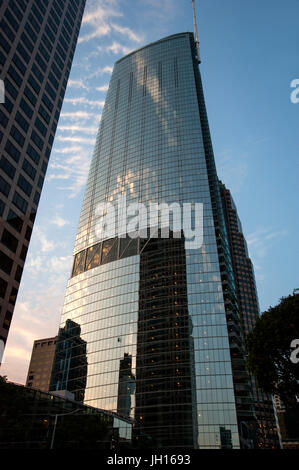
(195, 31)
(53, 433)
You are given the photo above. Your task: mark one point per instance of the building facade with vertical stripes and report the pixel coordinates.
(37, 44)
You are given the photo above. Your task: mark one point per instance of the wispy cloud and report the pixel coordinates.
(77, 84)
(81, 100)
(127, 32)
(77, 129)
(97, 19)
(232, 171)
(75, 115)
(73, 169)
(116, 48)
(103, 87)
(82, 140)
(260, 243)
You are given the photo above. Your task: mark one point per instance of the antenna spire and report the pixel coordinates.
(195, 31)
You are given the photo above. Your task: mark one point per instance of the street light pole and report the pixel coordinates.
(55, 424)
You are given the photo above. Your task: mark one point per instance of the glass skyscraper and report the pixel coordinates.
(37, 43)
(160, 321)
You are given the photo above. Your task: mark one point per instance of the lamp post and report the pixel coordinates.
(55, 424)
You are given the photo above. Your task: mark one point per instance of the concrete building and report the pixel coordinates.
(37, 44)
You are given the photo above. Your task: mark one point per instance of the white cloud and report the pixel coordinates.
(127, 32)
(76, 84)
(116, 48)
(75, 115)
(260, 243)
(97, 20)
(59, 221)
(74, 168)
(101, 71)
(75, 129)
(103, 87)
(82, 140)
(45, 244)
(84, 101)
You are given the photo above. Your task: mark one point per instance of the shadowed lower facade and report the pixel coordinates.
(160, 321)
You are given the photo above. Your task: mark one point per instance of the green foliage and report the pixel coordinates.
(269, 350)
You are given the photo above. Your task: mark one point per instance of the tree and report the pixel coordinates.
(269, 350)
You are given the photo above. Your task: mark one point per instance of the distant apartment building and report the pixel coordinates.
(40, 368)
(37, 44)
(247, 297)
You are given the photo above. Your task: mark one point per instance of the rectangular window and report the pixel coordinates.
(27, 42)
(7, 167)
(10, 88)
(14, 75)
(23, 252)
(33, 154)
(19, 63)
(30, 95)
(43, 113)
(26, 108)
(22, 121)
(15, 221)
(6, 263)
(34, 23)
(29, 169)
(31, 33)
(37, 140)
(4, 187)
(7, 30)
(47, 102)
(34, 84)
(13, 296)
(40, 126)
(3, 287)
(25, 185)
(12, 151)
(19, 138)
(23, 53)
(20, 202)
(19, 272)
(39, 75)
(10, 18)
(9, 240)
(7, 320)
(36, 197)
(2, 207)
(3, 119)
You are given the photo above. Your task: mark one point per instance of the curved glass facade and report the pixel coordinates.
(150, 324)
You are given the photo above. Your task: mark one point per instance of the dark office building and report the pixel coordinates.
(41, 363)
(248, 304)
(37, 44)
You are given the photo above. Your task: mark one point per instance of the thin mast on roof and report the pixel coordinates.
(195, 31)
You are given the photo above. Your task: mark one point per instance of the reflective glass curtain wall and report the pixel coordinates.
(152, 312)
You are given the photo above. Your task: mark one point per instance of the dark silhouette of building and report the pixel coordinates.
(70, 362)
(37, 43)
(126, 386)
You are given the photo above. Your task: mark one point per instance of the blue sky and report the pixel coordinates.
(249, 58)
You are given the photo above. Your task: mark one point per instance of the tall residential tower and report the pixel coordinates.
(160, 319)
(37, 43)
